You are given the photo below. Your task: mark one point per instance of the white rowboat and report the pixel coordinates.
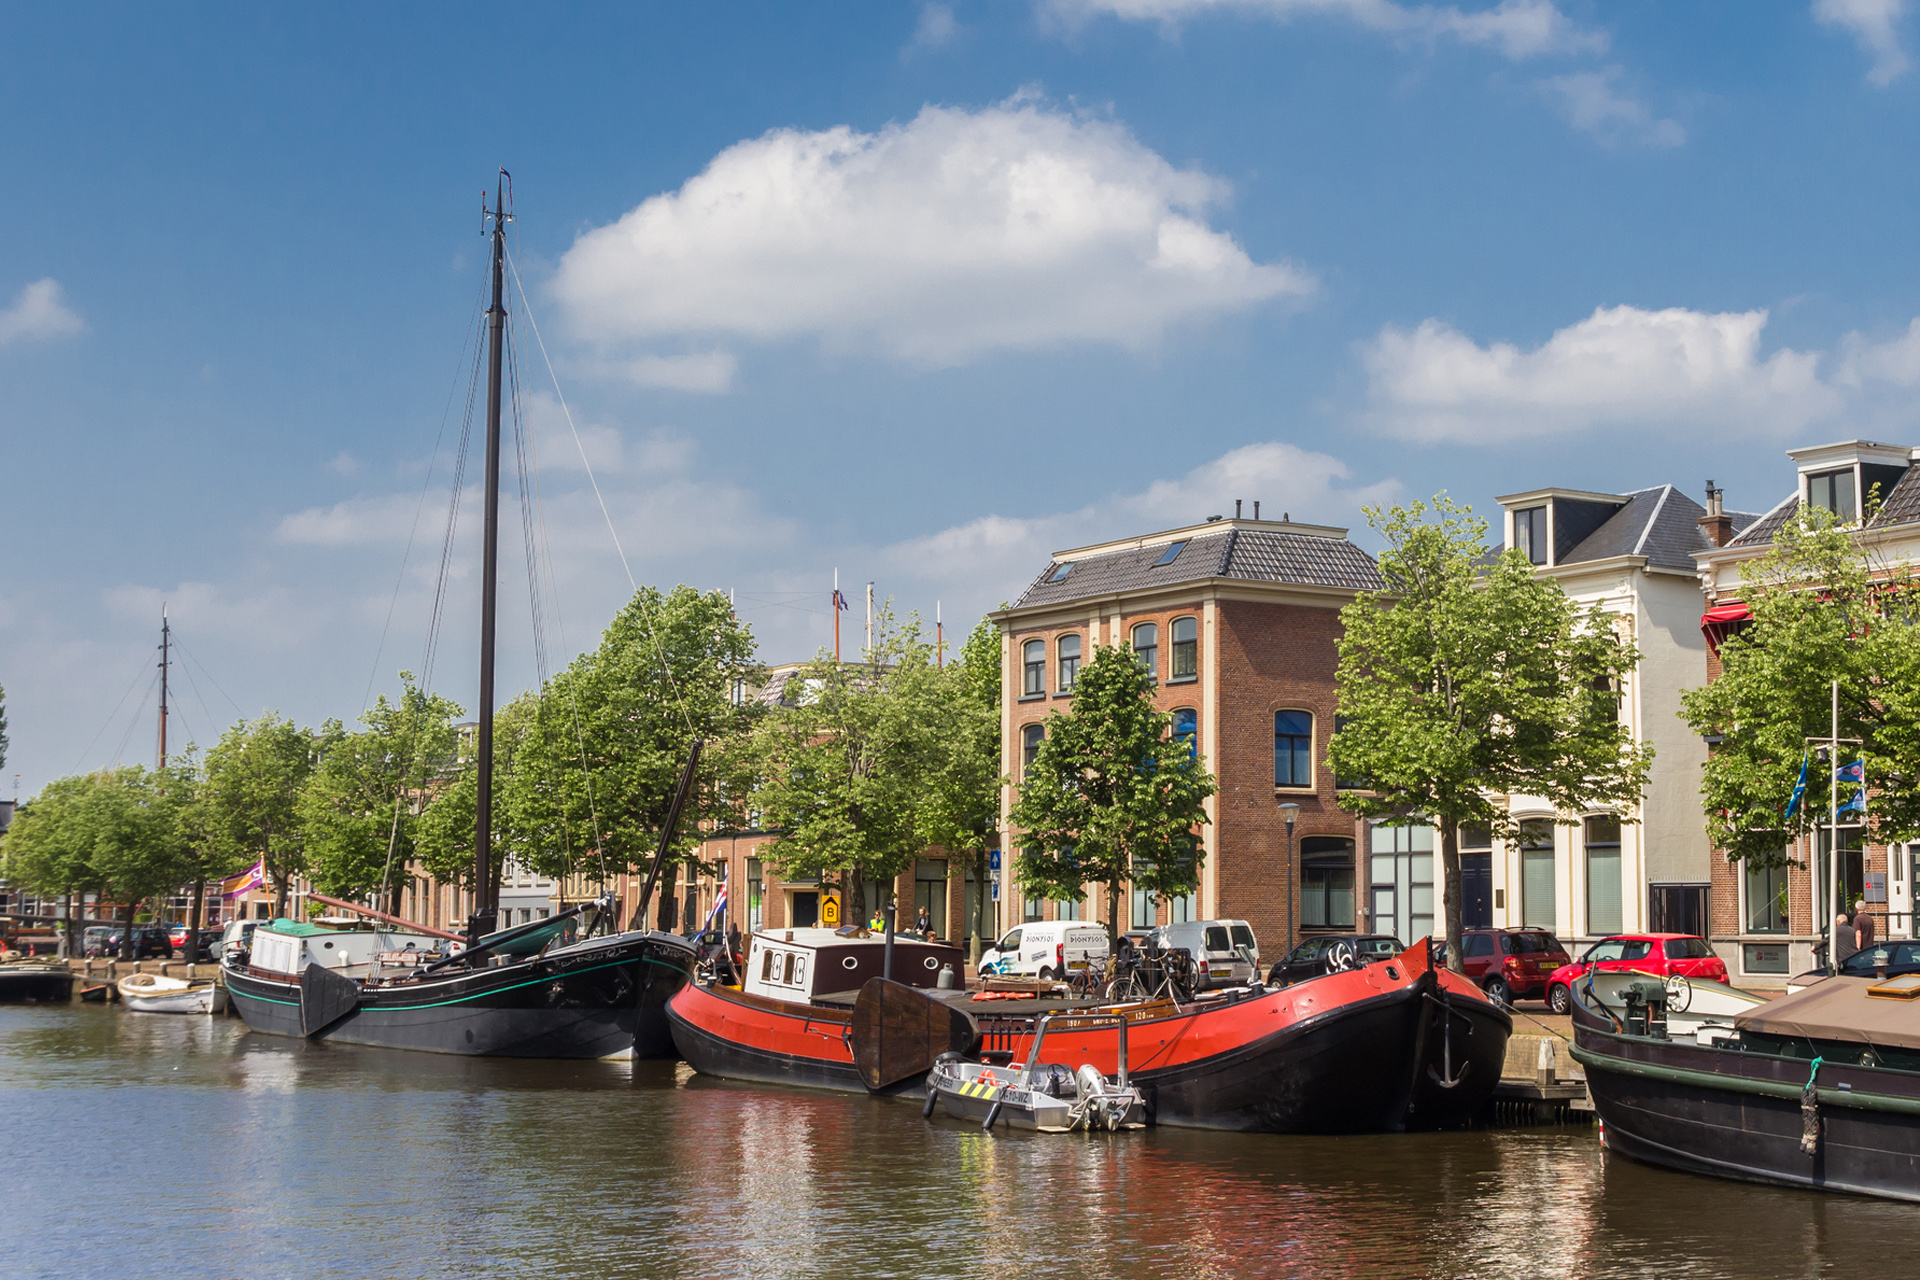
(151, 993)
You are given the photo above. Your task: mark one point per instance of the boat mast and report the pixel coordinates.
(165, 640)
(484, 912)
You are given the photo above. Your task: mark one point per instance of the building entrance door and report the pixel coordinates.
(806, 909)
(1476, 890)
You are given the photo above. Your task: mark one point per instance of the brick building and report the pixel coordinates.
(1766, 923)
(1239, 621)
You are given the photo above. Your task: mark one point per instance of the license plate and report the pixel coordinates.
(1076, 964)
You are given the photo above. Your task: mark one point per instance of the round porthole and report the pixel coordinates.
(327, 945)
(932, 962)
(850, 962)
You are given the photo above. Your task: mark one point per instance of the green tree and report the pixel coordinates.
(846, 769)
(360, 808)
(1823, 610)
(1462, 683)
(48, 849)
(204, 853)
(1111, 797)
(251, 790)
(962, 813)
(596, 760)
(137, 838)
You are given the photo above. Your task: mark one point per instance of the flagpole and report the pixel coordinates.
(836, 615)
(1833, 840)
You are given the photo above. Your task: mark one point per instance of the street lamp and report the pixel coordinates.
(1290, 812)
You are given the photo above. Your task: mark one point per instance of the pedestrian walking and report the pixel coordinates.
(1843, 939)
(1862, 926)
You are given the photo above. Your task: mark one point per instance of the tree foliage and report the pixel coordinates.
(360, 808)
(1111, 797)
(1465, 682)
(962, 810)
(251, 790)
(847, 767)
(1823, 610)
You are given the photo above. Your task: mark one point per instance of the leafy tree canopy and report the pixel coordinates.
(962, 810)
(1464, 682)
(251, 790)
(1111, 797)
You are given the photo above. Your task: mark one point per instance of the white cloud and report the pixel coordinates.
(39, 311)
(1594, 105)
(935, 241)
(357, 522)
(345, 464)
(1622, 366)
(936, 26)
(1895, 362)
(994, 557)
(1875, 25)
(704, 371)
(1516, 28)
(269, 618)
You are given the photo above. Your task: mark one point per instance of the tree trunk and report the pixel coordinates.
(195, 910)
(667, 910)
(1450, 896)
(126, 932)
(1113, 916)
(977, 927)
(280, 879)
(69, 940)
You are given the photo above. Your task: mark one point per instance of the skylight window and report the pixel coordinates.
(1060, 574)
(1171, 553)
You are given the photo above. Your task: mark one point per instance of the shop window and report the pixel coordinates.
(1603, 875)
(1069, 662)
(1326, 882)
(1186, 649)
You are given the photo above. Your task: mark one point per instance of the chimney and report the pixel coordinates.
(1256, 508)
(1716, 524)
(1236, 508)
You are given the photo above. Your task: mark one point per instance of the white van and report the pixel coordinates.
(1220, 950)
(1047, 949)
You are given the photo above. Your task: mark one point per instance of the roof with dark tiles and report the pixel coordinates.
(1661, 524)
(1249, 554)
(1902, 506)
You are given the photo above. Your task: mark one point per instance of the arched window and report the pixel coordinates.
(1186, 724)
(1146, 647)
(1033, 657)
(1030, 739)
(1292, 749)
(1069, 662)
(1186, 649)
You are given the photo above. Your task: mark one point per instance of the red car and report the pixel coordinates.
(1511, 964)
(1660, 954)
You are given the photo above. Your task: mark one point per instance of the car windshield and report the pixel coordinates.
(1533, 943)
(1306, 951)
(1688, 949)
(1611, 949)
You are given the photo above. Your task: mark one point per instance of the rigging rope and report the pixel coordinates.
(113, 715)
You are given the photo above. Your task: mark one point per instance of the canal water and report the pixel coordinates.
(188, 1147)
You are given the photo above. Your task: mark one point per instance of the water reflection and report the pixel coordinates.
(212, 1151)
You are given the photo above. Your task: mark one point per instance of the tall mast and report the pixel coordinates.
(166, 639)
(484, 913)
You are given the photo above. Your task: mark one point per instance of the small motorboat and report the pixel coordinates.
(35, 980)
(1047, 1097)
(152, 993)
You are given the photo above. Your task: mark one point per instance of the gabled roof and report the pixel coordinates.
(1660, 523)
(1250, 554)
(1901, 506)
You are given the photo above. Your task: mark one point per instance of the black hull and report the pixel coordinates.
(1369, 1066)
(584, 1002)
(37, 985)
(1732, 1114)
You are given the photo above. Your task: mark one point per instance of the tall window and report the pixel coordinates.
(1292, 749)
(1184, 908)
(1401, 879)
(1146, 647)
(1030, 739)
(1326, 882)
(1069, 662)
(1530, 533)
(930, 892)
(1603, 875)
(756, 879)
(1186, 649)
(1142, 909)
(1033, 658)
(1186, 724)
(1536, 874)
(1833, 490)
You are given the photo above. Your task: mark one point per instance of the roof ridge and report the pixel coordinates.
(1226, 553)
(1646, 531)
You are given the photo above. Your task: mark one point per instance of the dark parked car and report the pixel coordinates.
(1902, 956)
(150, 942)
(1511, 964)
(1319, 955)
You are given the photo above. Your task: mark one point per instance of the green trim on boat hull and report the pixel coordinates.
(1741, 1084)
(441, 1004)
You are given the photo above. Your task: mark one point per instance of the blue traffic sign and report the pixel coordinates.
(993, 859)
(996, 891)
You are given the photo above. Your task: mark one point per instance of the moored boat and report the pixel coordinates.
(1040, 1095)
(155, 993)
(1818, 1089)
(35, 981)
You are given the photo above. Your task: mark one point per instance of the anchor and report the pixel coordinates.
(1445, 1077)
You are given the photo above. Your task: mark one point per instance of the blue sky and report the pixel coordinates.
(917, 291)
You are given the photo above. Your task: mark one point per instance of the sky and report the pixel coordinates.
(917, 292)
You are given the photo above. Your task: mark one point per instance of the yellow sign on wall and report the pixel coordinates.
(830, 909)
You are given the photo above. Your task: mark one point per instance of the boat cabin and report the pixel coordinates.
(289, 946)
(801, 965)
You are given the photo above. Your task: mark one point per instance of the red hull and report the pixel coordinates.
(1360, 1051)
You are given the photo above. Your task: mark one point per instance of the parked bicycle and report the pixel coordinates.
(1151, 972)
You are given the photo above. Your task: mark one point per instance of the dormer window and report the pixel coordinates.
(1530, 534)
(1833, 491)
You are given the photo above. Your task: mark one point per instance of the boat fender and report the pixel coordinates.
(1810, 1112)
(933, 1097)
(993, 1114)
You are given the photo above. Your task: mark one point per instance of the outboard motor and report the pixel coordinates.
(1646, 1000)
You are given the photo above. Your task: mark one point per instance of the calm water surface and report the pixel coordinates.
(189, 1147)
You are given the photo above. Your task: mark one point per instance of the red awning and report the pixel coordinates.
(1722, 621)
